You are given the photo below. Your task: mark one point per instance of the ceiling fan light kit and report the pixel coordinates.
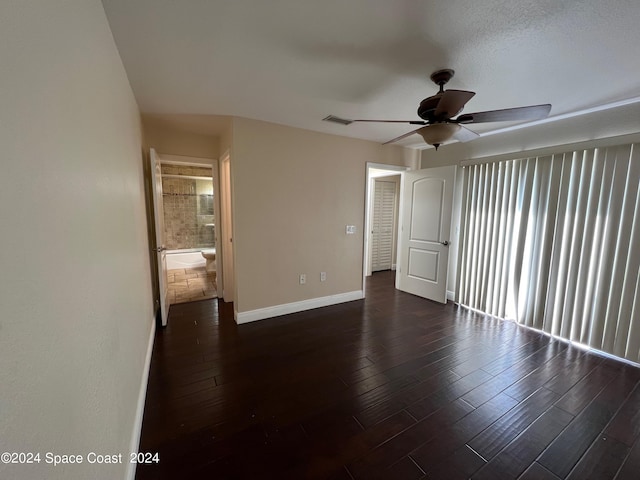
(438, 133)
(437, 112)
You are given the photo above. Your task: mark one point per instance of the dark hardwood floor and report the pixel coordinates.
(393, 386)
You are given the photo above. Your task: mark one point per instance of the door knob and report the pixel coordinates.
(445, 243)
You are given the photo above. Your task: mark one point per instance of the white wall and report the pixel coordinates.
(75, 297)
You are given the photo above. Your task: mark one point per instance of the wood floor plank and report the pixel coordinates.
(539, 377)
(568, 447)
(331, 453)
(601, 461)
(451, 392)
(571, 445)
(538, 472)
(402, 444)
(405, 469)
(498, 435)
(512, 461)
(580, 395)
(498, 383)
(462, 431)
(460, 465)
(404, 398)
(578, 364)
(631, 465)
(625, 426)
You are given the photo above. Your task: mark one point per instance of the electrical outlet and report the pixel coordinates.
(303, 279)
(351, 229)
(323, 276)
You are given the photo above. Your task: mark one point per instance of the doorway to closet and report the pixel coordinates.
(384, 223)
(381, 217)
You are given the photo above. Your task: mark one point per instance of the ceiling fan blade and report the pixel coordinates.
(533, 112)
(452, 102)
(346, 121)
(402, 136)
(410, 122)
(465, 135)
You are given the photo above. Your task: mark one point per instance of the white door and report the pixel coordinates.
(423, 251)
(161, 251)
(384, 212)
(227, 231)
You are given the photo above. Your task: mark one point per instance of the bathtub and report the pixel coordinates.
(184, 259)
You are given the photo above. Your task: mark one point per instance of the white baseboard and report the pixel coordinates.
(451, 295)
(142, 395)
(277, 310)
(393, 266)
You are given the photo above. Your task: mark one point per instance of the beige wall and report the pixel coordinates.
(226, 139)
(167, 139)
(75, 296)
(294, 192)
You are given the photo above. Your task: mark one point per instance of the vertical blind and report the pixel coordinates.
(553, 242)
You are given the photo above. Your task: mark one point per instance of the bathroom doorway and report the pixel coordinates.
(190, 219)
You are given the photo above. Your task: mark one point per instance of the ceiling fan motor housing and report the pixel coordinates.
(427, 107)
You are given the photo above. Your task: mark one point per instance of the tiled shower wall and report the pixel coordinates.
(188, 208)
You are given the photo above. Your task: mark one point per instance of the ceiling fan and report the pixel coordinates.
(437, 112)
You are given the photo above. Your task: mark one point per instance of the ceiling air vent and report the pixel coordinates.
(334, 119)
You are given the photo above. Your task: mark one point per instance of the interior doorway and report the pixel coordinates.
(187, 195)
(381, 217)
(384, 223)
(190, 230)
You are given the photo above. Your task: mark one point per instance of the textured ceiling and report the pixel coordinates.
(294, 62)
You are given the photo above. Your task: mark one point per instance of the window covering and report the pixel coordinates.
(553, 242)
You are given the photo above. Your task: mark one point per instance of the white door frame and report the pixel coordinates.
(368, 211)
(160, 249)
(227, 280)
